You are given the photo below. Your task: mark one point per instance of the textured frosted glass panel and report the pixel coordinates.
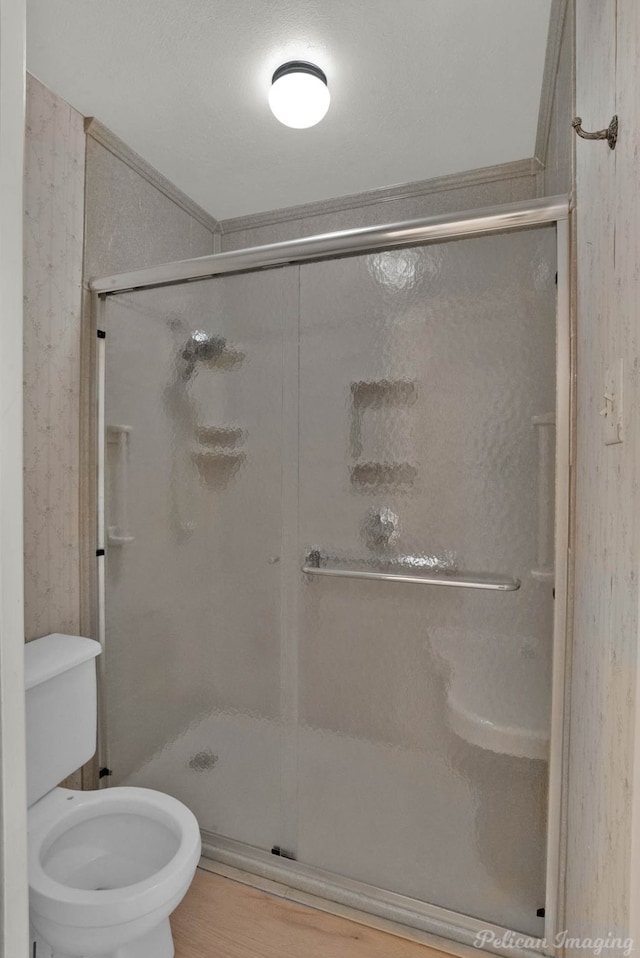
(193, 468)
(424, 711)
(394, 405)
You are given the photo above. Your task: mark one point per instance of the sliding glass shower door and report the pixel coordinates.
(194, 451)
(424, 710)
(369, 420)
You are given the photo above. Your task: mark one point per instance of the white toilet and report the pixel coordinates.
(106, 868)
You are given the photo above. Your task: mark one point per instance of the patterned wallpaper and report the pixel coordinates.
(53, 227)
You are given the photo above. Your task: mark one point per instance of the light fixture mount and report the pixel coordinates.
(299, 66)
(299, 96)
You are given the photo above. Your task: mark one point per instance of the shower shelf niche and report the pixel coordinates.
(225, 437)
(218, 466)
(379, 408)
(220, 455)
(390, 392)
(377, 474)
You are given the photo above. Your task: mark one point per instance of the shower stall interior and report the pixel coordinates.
(333, 505)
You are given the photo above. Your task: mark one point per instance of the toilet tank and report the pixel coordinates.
(61, 709)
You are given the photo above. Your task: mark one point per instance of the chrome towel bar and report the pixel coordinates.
(452, 579)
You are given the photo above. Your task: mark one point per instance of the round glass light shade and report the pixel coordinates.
(299, 96)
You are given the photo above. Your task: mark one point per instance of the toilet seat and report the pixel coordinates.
(74, 835)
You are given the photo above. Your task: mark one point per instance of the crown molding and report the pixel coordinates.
(101, 134)
(418, 188)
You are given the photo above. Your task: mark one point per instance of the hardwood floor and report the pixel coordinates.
(220, 918)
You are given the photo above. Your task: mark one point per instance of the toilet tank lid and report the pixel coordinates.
(53, 654)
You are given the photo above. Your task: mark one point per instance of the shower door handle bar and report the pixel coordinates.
(459, 580)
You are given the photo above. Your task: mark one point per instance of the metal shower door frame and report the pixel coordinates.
(511, 217)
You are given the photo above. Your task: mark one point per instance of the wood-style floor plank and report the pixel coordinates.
(220, 918)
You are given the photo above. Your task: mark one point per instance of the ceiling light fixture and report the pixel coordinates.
(299, 96)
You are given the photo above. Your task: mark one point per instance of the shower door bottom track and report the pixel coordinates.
(450, 931)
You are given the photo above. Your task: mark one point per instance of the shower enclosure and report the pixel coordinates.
(333, 501)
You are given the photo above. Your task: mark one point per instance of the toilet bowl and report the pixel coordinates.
(106, 867)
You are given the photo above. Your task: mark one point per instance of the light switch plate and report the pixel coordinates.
(612, 405)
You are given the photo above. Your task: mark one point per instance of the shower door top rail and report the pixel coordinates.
(432, 229)
(316, 563)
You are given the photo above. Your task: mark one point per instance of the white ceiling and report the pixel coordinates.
(419, 88)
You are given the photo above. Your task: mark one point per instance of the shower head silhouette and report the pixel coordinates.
(201, 347)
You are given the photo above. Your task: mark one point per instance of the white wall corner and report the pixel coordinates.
(13, 811)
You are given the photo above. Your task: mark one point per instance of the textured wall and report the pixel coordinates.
(130, 223)
(53, 201)
(558, 156)
(607, 547)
